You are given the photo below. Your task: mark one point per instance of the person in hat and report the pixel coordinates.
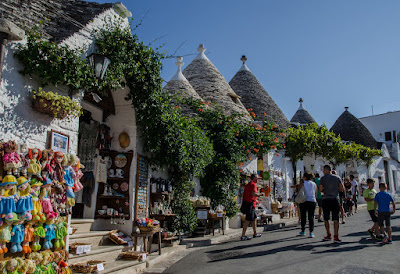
(24, 204)
(8, 192)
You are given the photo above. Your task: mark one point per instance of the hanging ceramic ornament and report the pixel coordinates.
(124, 140)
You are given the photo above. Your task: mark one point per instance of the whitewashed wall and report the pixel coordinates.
(18, 121)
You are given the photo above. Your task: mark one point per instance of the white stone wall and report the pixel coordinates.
(18, 121)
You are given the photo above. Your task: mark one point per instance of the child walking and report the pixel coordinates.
(382, 201)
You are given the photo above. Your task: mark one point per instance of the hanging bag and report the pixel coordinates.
(301, 196)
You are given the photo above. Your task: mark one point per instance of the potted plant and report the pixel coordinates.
(55, 105)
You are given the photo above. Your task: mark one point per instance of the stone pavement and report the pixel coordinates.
(282, 251)
(195, 244)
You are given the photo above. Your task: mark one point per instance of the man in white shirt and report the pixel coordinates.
(354, 190)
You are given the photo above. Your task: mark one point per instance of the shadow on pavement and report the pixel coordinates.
(293, 247)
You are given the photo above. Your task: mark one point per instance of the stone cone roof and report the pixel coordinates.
(352, 130)
(302, 117)
(212, 86)
(65, 16)
(179, 85)
(254, 96)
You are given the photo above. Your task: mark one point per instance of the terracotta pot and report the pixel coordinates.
(39, 107)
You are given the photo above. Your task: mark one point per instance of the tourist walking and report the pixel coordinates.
(249, 207)
(354, 190)
(349, 197)
(317, 181)
(308, 207)
(382, 210)
(330, 187)
(369, 196)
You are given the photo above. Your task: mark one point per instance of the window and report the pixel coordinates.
(388, 136)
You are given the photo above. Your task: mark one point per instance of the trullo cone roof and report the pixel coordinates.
(255, 97)
(352, 130)
(212, 86)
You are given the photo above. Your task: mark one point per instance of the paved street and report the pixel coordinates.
(282, 251)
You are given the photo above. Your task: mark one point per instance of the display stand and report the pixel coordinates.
(118, 199)
(142, 188)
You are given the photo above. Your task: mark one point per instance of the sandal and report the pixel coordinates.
(245, 238)
(257, 235)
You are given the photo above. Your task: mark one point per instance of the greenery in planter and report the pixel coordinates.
(57, 104)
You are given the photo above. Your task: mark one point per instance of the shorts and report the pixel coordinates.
(331, 205)
(319, 202)
(384, 217)
(373, 216)
(248, 209)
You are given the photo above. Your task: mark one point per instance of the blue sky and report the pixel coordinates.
(332, 53)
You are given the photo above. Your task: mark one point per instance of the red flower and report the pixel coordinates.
(250, 158)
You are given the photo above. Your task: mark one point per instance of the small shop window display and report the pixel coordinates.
(36, 194)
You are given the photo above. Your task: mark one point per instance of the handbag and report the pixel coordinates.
(301, 196)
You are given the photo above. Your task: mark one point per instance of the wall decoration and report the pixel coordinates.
(142, 189)
(120, 160)
(124, 140)
(59, 141)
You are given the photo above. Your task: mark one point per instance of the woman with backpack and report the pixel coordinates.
(307, 193)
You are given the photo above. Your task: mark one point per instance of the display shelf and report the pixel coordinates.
(98, 216)
(122, 161)
(112, 197)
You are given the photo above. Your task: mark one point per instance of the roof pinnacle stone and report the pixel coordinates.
(178, 75)
(201, 49)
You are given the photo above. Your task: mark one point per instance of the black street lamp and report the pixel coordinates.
(99, 63)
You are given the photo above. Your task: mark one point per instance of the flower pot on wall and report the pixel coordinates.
(45, 106)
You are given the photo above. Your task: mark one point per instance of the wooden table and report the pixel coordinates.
(220, 219)
(147, 238)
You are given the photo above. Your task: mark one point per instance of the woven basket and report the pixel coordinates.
(148, 229)
(131, 255)
(39, 107)
(72, 247)
(86, 267)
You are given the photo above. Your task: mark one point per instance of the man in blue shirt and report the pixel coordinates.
(383, 200)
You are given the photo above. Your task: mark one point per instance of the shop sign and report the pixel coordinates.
(202, 214)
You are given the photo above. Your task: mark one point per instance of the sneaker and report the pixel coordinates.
(379, 238)
(390, 242)
(245, 238)
(385, 240)
(312, 235)
(343, 222)
(258, 235)
(327, 238)
(337, 240)
(371, 233)
(302, 233)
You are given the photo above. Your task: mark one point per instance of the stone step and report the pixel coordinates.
(124, 267)
(101, 253)
(94, 238)
(82, 225)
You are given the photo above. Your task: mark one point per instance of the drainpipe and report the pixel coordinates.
(8, 32)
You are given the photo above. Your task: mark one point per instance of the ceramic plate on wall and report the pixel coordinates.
(115, 186)
(124, 186)
(120, 160)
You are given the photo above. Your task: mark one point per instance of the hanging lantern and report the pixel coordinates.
(99, 63)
